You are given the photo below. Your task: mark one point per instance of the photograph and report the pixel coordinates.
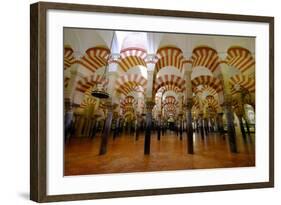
(147, 101)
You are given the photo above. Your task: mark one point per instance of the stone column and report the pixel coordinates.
(81, 125)
(220, 123)
(205, 122)
(72, 73)
(94, 130)
(210, 123)
(138, 122)
(189, 126)
(188, 104)
(68, 119)
(116, 120)
(112, 75)
(147, 138)
(248, 129)
(107, 128)
(227, 104)
(181, 124)
(243, 99)
(240, 112)
(159, 127)
(201, 126)
(230, 126)
(149, 106)
(240, 118)
(215, 123)
(197, 124)
(177, 127)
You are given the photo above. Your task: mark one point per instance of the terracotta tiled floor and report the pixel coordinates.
(126, 155)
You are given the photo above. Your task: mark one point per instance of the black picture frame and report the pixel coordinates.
(38, 102)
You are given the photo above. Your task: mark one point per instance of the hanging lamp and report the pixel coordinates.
(100, 91)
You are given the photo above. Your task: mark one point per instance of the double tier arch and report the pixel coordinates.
(172, 81)
(130, 82)
(95, 58)
(240, 58)
(169, 56)
(204, 56)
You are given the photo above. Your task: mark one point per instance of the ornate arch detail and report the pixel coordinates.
(130, 82)
(68, 57)
(88, 100)
(128, 101)
(169, 56)
(210, 101)
(170, 81)
(95, 58)
(132, 57)
(166, 88)
(205, 88)
(206, 57)
(240, 58)
(170, 100)
(84, 84)
(213, 82)
(242, 81)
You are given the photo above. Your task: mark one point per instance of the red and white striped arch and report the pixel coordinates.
(240, 58)
(128, 101)
(87, 82)
(211, 102)
(206, 57)
(68, 57)
(243, 81)
(87, 101)
(213, 82)
(170, 100)
(103, 105)
(196, 106)
(169, 56)
(95, 58)
(128, 115)
(170, 103)
(170, 107)
(169, 80)
(139, 52)
(130, 82)
(132, 57)
(166, 88)
(205, 88)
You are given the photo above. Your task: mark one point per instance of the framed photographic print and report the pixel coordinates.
(134, 102)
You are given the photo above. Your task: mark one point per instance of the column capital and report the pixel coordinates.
(110, 106)
(180, 115)
(227, 100)
(187, 68)
(112, 74)
(189, 103)
(149, 105)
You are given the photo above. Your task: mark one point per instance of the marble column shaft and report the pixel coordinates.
(106, 131)
(147, 137)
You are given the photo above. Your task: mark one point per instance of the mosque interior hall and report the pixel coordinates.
(148, 101)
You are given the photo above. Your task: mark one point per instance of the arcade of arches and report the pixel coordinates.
(176, 101)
